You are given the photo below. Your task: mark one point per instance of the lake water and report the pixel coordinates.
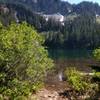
(81, 59)
(70, 53)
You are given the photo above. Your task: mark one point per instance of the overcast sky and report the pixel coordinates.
(78, 1)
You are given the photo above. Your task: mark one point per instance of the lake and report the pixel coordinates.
(81, 59)
(70, 53)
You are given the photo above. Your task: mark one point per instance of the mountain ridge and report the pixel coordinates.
(57, 6)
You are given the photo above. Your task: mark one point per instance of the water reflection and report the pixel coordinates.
(70, 54)
(80, 58)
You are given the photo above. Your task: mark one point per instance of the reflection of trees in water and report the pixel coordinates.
(64, 58)
(80, 64)
(69, 54)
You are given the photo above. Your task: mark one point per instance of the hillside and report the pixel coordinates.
(55, 6)
(63, 24)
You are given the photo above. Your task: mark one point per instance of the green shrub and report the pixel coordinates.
(80, 83)
(97, 74)
(96, 77)
(96, 54)
(75, 79)
(24, 61)
(1, 97)
(20, 98)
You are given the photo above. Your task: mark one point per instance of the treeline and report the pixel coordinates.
(43, 5)
(81, 32)
(54, 6)
(22, 13)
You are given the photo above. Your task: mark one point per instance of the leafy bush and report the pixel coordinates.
(96, 77)
(1, 97)
(20, 98)
(96, 54)
(24, 61)
(97, 74)
(80, 83)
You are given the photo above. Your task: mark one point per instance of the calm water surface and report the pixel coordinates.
(82, 59)
(70, 54)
